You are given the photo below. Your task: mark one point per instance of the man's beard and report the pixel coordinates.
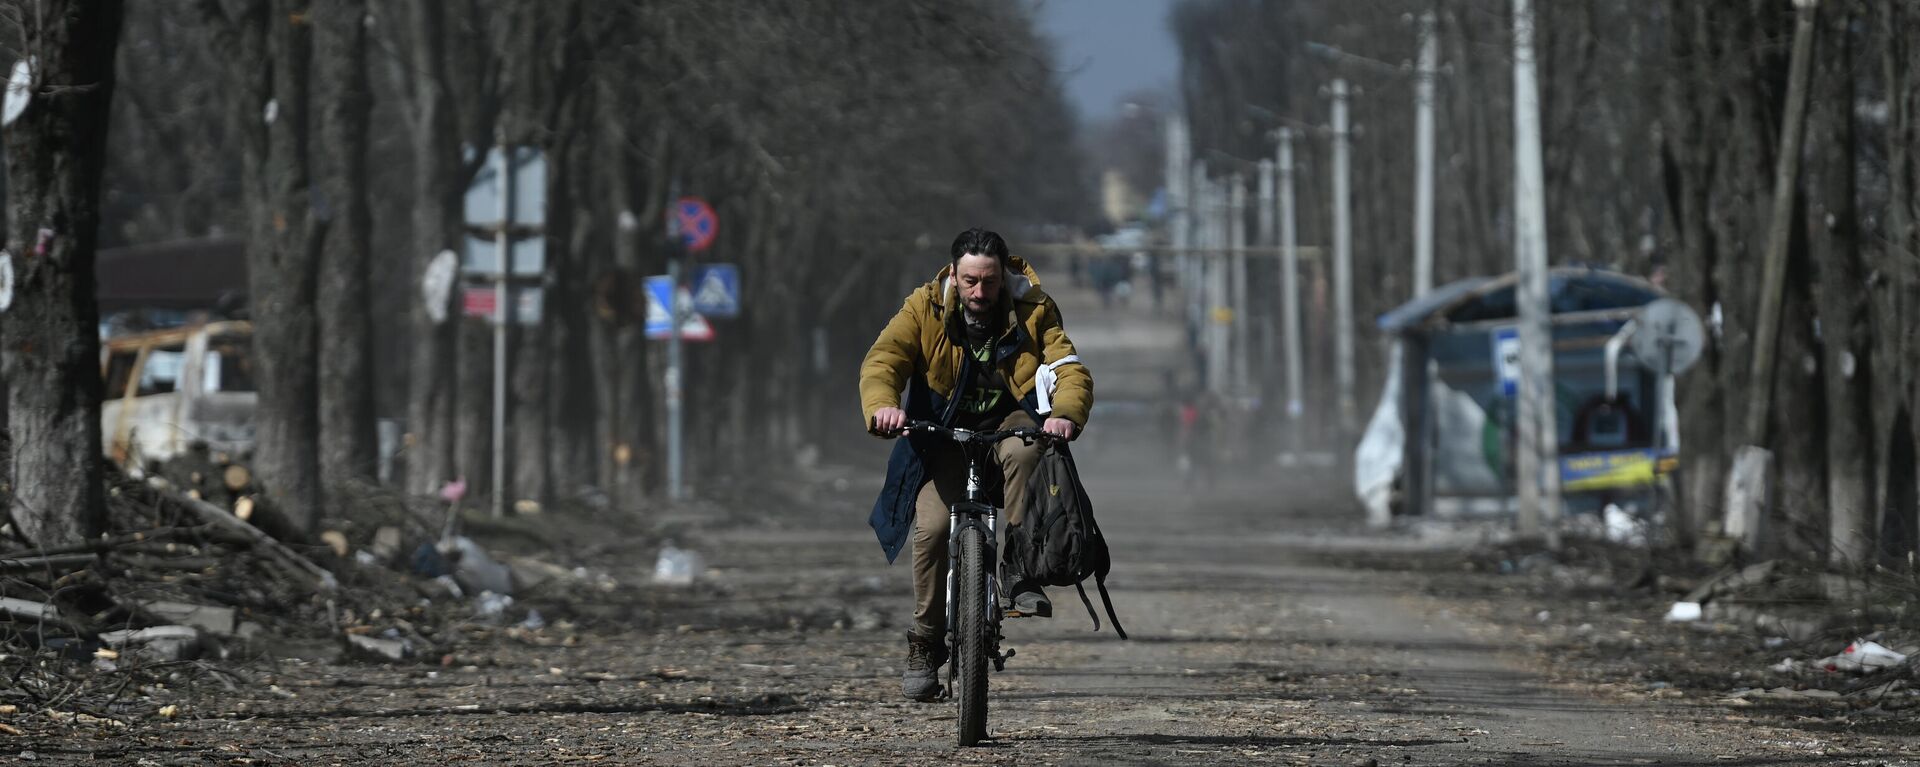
(979, 317)
(979, 324)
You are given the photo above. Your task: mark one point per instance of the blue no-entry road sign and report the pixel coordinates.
(716, 290)
(697, 223)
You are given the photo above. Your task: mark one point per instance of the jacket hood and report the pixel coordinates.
(1023, 284)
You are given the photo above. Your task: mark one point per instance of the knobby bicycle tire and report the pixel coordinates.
(973, 640)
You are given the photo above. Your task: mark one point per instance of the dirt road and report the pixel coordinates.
(1252, 644)
(1266, 629)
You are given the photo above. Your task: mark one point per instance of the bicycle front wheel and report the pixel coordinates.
(973, 638)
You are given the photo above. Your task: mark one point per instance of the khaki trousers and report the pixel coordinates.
(947, 470)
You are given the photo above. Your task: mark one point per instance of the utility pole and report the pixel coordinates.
(503, 253)
(1219, 326)
(1423, 157)
(1195, 279)
(1264, 219)
(1179, 194)
(1342, 260)
(1237, 240)
(1265, 332)
(1537, 459)
(1773, 280)
(1290, 288)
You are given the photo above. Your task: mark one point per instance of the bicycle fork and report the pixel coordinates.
(974, 512)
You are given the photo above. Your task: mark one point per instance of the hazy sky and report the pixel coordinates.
(1108, 48)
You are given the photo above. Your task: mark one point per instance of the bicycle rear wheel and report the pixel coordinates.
(973, 641)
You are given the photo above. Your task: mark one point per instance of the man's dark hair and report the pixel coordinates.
(982, 242)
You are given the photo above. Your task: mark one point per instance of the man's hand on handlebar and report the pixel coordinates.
(1060, 427)
(891, 422)
(888, 421)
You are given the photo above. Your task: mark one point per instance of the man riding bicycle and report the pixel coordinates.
(980, 347)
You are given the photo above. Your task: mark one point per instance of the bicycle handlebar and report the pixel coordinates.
(1023, 433)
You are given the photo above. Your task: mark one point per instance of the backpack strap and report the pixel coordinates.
(1100, 581)
(1089, 603)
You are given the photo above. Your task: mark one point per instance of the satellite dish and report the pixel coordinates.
(6, 280)
(436, 286)
(1670, 337)
(19, 90)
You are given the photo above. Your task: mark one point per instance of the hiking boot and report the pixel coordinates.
(925, 656)
(1029, 602)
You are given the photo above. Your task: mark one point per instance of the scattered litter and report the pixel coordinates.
(677, 566)
(535, 621)
(428, 562)
(1624, 527)
(476, 570)
(335, 540)
(1683, 612)
(491, 605)
(164, 644)
(387, 544)
(451, 586)
(380, 649)
(1863, 656)
(213, 619)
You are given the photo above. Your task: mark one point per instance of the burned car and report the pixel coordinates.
(180, 389)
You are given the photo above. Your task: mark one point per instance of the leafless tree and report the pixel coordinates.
(49, 345)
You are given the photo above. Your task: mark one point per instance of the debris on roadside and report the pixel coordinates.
(198, 577)
(677, 566)
(1862, 656)
(1683, 612)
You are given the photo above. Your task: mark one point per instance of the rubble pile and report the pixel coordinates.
(184, 591)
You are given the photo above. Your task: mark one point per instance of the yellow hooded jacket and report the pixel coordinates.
(923, 352)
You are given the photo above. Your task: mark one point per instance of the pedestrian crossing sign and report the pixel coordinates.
(716, 290)
(693, 327)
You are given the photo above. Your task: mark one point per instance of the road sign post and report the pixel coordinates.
(506, 201)
(503, 243)
(691, 227)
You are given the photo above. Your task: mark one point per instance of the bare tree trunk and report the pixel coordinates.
(436, 227)
(345, 290)
(1800, 484)
(621, 351)
(473, 405)
(1690, 161)
(572, 417)
(49, 344)
(1893, 399)
(284, 245)
(1846, 323)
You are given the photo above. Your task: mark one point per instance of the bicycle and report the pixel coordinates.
(973, 602)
